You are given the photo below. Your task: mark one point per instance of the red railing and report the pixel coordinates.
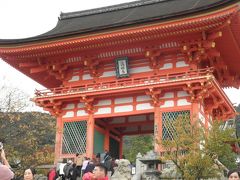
(121, 83)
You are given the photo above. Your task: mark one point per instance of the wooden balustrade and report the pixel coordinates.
(121, 83)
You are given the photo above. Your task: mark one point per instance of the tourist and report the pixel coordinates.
(85, 163)
(90, 167)
(88, 172)
(98, 158)
(67, 168)
(29, 174)
(234, 175)
(73, 172)
(79, 163)
(5, 169)
(52, 174)
(88, 176)
(60, 166)
(100, 172)
(113, 165)
(106, 156)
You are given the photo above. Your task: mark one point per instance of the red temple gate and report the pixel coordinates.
(110, 74)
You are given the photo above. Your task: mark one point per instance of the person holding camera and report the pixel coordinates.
(5, 169)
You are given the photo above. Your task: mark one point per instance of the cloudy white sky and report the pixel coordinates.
(26, 18)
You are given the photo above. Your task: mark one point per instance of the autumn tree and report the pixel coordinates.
(194, 149)
(28, 138)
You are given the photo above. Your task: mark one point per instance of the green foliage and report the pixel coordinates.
(218, 142)
(135, 144)
(193, 148)
(28, 138)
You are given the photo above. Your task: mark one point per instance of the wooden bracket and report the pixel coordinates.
(54, 107)
(155, 94)
(88, 104)
(93, 65)
(198, 92)
(154, 56)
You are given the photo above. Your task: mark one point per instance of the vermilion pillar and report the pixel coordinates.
(58, 141)
(90, 136)
(157, 128)
(106, 140)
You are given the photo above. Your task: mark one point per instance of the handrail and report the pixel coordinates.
(126, 82)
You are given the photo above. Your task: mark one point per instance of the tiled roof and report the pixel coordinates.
(127, 14)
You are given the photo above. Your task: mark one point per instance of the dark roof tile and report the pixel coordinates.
(132, 13)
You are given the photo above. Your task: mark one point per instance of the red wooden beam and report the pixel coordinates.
(28, 64)
(38, 69)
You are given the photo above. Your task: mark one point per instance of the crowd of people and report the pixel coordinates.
(81, 168)
(88, 169)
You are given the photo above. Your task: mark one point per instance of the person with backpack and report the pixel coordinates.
(73, 172)
(66, 170)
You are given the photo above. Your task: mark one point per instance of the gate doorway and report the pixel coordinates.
(109, 132)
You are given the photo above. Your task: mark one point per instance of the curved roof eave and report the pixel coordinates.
(76, 23)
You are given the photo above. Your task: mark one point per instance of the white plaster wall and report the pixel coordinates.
(70, 106)
(103, 111)
(108, 74)
(87, 76)
(143, 98)
(144, 106)
(183, 102)
(81, 113)
(181, 64)
(69, 114)
(123, 108)
(74, 78)
(140, 69)
(80, 105)
(168, 95)
(104, 102)
(167, 66)
(168, 104)
(123, 100)
(182, 94)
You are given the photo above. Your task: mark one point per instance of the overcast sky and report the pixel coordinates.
(27, 18)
